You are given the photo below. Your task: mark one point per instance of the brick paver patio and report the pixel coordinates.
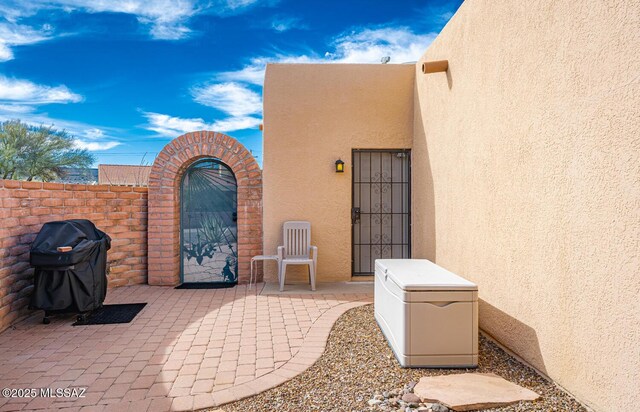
(187, 349)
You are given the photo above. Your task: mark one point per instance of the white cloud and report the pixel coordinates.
(170, 126)
(24, 92)
(365, 45)
(95, 146)
(254, 71)
(16, 108)
(5, 53)
(89, 137)
(19, 99)
(225, 8)
(94, 133)
(251, 73)
(282, 24)
(236, 4)
(238, 101)
(166, 19)
(169, 31)
(12, 34)
(232, 124)
(232, 98)
(369, 45)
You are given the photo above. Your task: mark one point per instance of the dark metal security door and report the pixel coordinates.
(208, 224)
(381, 212)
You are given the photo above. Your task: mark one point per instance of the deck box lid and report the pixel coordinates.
(421, 274)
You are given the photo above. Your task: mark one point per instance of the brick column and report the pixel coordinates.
(164, 201)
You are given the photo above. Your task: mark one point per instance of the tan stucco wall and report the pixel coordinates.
(313, 115)
(526, 171)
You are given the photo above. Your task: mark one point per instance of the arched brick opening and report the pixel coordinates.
(164, 201)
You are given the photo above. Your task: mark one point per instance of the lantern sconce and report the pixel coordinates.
(339, 166)
(435, 66)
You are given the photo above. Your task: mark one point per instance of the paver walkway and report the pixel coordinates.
(187, 349)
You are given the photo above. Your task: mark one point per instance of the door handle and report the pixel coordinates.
(234, 216)
(355, 215)
(441, 304)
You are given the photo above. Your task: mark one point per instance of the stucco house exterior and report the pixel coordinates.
(517, 167)
(524, 177)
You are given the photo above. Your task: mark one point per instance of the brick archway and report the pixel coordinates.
(164, 201)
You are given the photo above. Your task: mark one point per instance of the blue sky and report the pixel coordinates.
(126, 76)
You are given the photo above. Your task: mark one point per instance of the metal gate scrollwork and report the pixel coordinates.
(381, 213)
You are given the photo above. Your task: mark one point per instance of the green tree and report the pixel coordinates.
(40, 153)
(13, 139)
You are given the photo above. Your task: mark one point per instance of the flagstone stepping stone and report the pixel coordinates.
(469, 391)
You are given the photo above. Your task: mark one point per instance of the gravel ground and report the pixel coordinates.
(358, 363)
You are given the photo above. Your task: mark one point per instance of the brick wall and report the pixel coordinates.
(120, 211)
(164, 201)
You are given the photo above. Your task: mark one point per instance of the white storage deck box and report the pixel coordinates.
(428, 314)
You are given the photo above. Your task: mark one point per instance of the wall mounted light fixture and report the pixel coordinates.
(339, 166)
(435, 66)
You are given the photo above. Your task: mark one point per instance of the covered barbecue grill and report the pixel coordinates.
(70, 261)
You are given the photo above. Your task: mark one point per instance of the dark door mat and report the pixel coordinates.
(109, 314)
(206, 285)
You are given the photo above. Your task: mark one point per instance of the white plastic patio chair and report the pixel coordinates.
(297, 250)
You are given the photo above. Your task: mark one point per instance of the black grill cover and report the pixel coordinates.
(72, 281)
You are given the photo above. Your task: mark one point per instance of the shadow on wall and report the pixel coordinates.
(493, 321)
(497, 323)
(423, 195)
